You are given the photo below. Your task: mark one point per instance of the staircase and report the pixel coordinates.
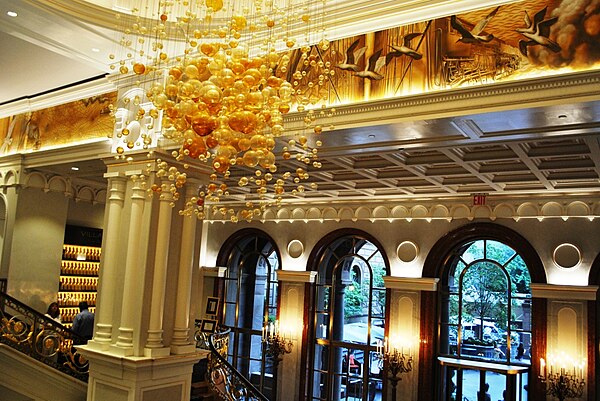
(201, 390)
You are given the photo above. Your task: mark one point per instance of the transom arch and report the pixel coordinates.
(242, 238)
(457, 240)
(318, 252)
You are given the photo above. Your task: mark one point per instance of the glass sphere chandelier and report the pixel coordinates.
(221, 76)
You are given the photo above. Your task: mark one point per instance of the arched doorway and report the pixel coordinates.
(250, 297)
(482, 311)
(348, 318)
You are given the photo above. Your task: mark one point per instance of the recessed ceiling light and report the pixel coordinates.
(11, 13)
(75, 168)
(95, 50)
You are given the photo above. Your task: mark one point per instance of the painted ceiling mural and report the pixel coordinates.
(64, 124)
(513, 41)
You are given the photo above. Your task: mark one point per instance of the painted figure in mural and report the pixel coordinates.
(22, 131)
(352, 56)
(404, 49)
(475, 35)
(537, 32)
(30, 133)
(376, 62)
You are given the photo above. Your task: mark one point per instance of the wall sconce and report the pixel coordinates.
(397, 359)
(564, 378)
(277, 344)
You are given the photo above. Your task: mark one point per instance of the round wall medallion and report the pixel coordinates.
(407, 251)
(566, 256)
(295, 248)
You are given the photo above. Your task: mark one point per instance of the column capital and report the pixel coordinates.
(564, 292)
(411, 283)
(213, 271)
(294, 276)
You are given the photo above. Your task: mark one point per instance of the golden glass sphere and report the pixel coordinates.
(139, 68)
(195, 146)
(203, 123)
(250, 158)
(216, 5)
(243, 121)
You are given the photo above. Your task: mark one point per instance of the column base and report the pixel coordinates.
(138, 378)
(184, 349)
(98, 345)
(120, 351)
(157, 352)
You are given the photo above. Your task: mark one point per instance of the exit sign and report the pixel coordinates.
(479, 199)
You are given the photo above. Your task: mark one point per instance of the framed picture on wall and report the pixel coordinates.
(208, 326)
(212, 305)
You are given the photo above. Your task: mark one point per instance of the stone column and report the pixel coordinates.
(180, 343)
(154, 342)
(292, 285)
(133, 271)
(109, 261)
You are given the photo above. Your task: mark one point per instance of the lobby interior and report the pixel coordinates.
(467, 162)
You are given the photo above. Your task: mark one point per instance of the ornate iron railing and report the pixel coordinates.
(40, 337)
(226, 381)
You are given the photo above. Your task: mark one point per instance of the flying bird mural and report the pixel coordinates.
(353, 55)
(475, 35)
(404, 49)
(376, 62)
(537, 32)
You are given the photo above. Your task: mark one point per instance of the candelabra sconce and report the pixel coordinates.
(277, 344)
(397, 360)
(562, 382)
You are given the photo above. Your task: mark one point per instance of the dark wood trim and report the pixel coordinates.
(428, 372)
(307, 357)
(592, 347)
(539, 322)
(594, 334)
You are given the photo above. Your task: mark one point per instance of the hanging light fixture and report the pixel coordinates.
(220, 77)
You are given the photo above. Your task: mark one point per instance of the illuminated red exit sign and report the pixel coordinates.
(479, 199)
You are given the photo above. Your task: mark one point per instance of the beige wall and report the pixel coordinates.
(544, 236)
(36, 252)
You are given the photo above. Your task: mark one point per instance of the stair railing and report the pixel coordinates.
(30, 332)
(226, 381)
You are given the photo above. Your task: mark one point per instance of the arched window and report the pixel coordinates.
(348, 320)
(485, 323)
(250, 298)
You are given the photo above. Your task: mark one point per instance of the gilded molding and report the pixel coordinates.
(451, 209)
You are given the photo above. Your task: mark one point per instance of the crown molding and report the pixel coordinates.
(56, 98)
(585, 207)
(499, 96)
